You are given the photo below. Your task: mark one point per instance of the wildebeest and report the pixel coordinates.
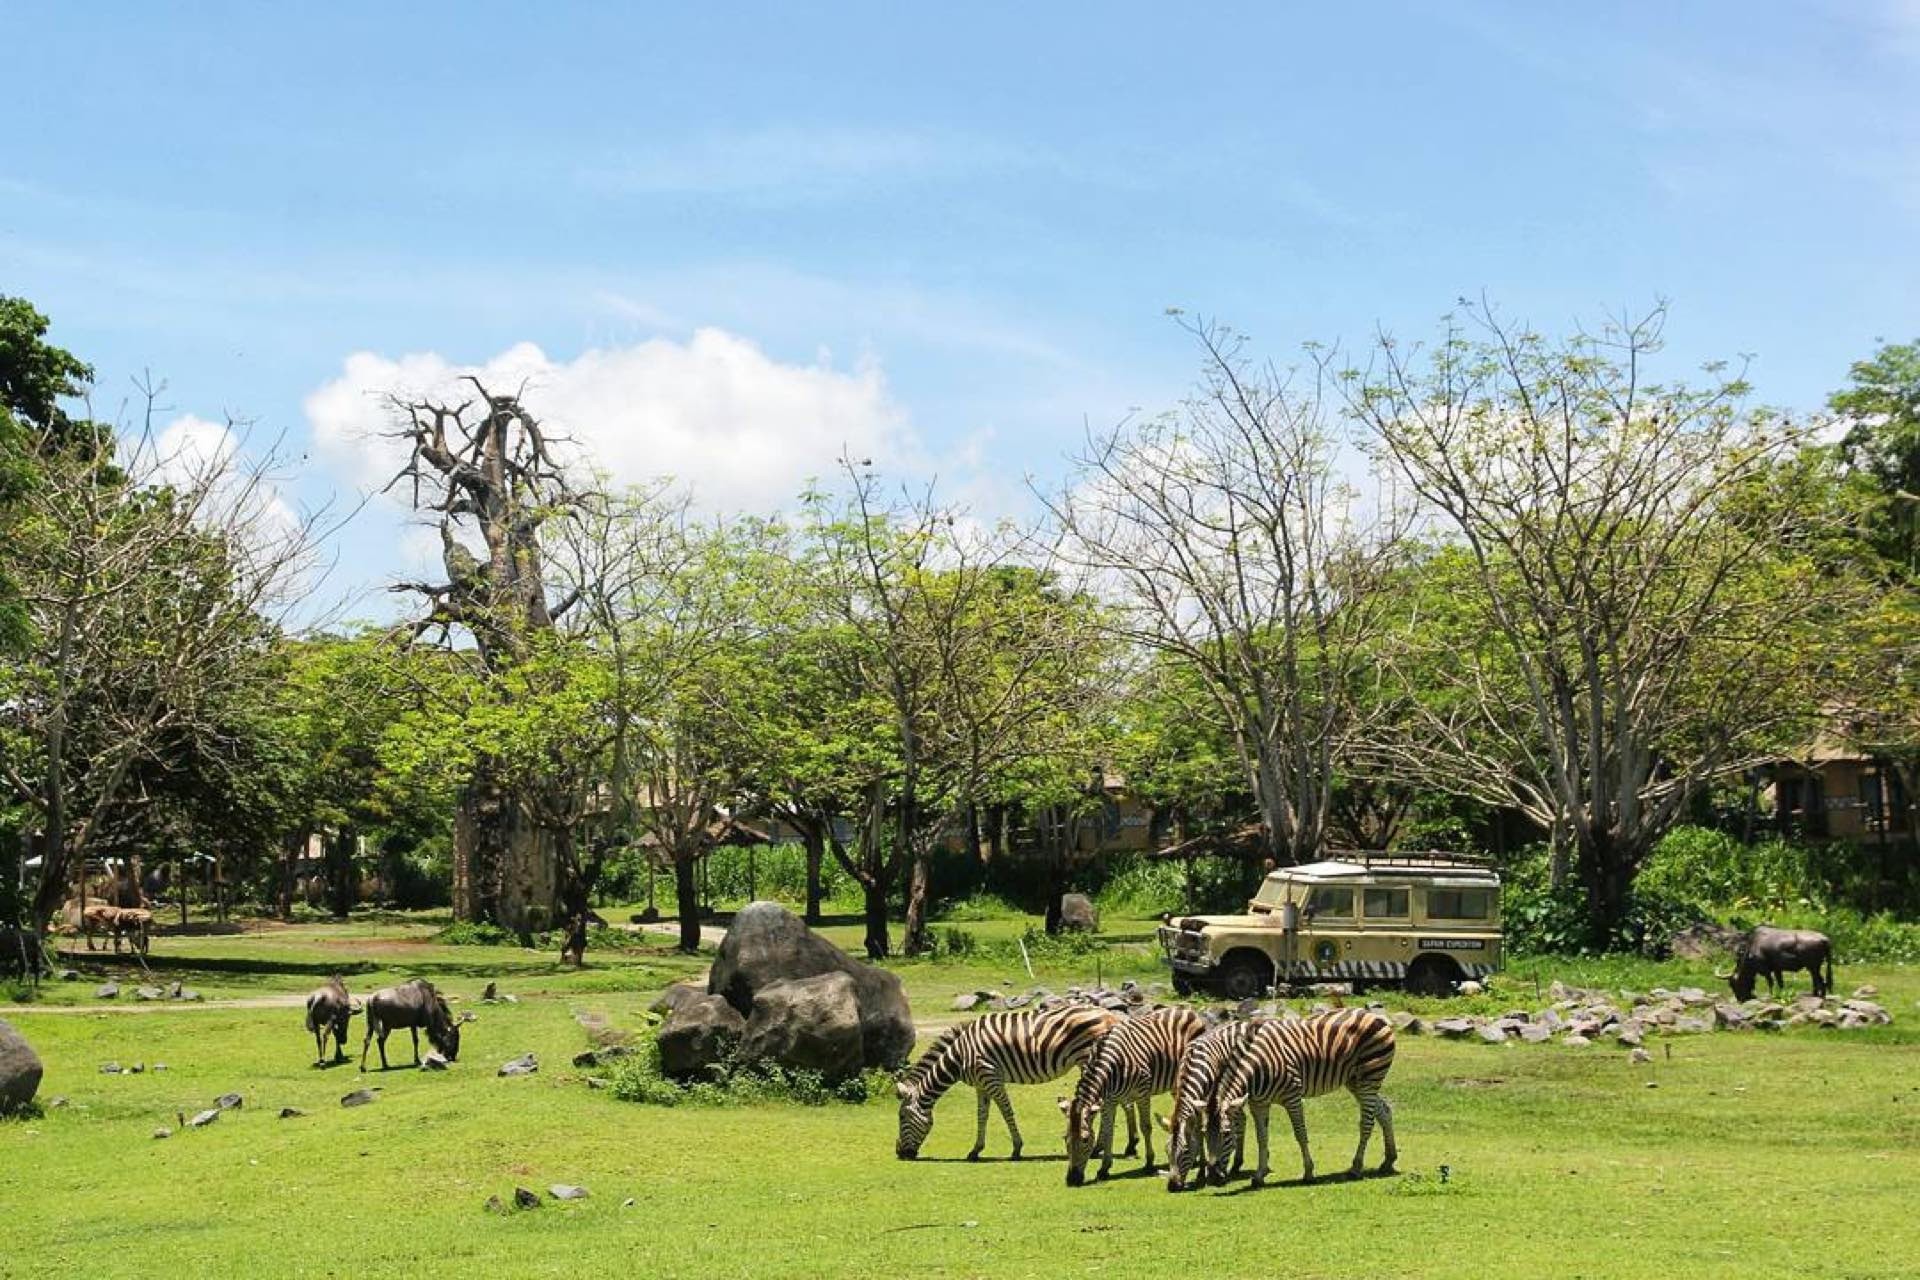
(1774, 952)
(329, 1009)
(412, 1005)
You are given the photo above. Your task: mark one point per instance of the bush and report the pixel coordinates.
(637, 1078)
(475, 933)
(980, 906)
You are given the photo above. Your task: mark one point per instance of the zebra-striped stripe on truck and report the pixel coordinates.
(991, 1053)
(1287, 1061)
(1191, 1141)
(1136, 1061)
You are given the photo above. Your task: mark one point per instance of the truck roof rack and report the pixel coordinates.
(1428, 858)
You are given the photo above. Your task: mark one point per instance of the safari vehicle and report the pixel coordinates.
(1425, 922)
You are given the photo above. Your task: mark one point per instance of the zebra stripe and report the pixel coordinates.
(1135, 1061)
(991, 1053)
(1190, 1139)
(1288, 1061)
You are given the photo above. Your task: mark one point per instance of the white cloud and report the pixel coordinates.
(742, 430)
(192, 454)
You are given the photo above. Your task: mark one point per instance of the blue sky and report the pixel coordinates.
(946, 236)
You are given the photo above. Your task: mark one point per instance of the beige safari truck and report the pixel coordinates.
(1425, 922)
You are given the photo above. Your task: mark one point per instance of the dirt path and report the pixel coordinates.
(291, 1000)
(711, 935)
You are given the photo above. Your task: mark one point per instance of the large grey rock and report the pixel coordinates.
(808, 1024)
(1454, 1028)
(1078, 914)
(20, 1070)
(768, 944)
(524, 1065)
(675, 995)
(701, 1032)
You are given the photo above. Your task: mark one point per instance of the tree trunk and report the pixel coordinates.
(291, 846)
(919, 885)
(877, 942)
(686, 889)
(1607, 865)
(506, 868)
(340, 849)
(816, 843)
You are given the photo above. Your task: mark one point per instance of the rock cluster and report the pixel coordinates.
(778, 993)
(1580, 1016)
(1128, 997)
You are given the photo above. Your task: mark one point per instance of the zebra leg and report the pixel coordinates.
(1369, 1105)
(1145, 1109)
(1261, 1111)
(1239, 1142)
(980, 1122)
(1106, 1142)
(1006, 1113)
(1386, 1132)
(1133, 1132)
(1298, 1114)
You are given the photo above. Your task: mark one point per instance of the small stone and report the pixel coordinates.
(509, 999)
(229, 1102)
(56, 1102)
(490, 992)
(137, 1068)
(187, 993)
(163, 1132)
(587, 1058)
(1639, 1055)
(433, 1062)
(627, 1203)
(1575, 1040)
(525, 1199)
(1653, 1084)
(111, 1068)
(965, 1002)
(148, 993)
(1453, 1028)
(524, 1065)
(1472, 988)
(204, 1119)
(1018, 1002)
(1631, 1034)
(69, 975)
(1730, 1016)
(596, 1082)
(158, 1066)
(290, 1113)
(108, 991)
(567, 1191)
(358, 1098)
(496, 1205)
(1867, 992)
(1690, 1026)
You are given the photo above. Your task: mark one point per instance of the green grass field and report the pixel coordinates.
(1792, 1153)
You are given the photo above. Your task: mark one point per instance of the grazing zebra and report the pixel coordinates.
(991, 1053)
(1303, 1058)
(1191, 1140)
(1135, 1061)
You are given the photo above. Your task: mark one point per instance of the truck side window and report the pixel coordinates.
(1385, 904)
(1459, 904)
(1328, 901)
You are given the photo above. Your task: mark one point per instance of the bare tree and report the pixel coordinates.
(487, 463)
(157, 571)
(1228, 540)
(1630, 617)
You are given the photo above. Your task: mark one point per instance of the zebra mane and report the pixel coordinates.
(915, 1076)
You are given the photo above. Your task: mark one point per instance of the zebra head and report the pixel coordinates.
(1183, 1143)
(916, 1121)
(1080, 1114)
(1223, 1135)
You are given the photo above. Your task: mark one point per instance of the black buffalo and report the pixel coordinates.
(412, 1005)
(1774, 952)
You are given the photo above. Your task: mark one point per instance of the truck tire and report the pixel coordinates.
(1244, 974)
(1432, 976)
(1182, 985)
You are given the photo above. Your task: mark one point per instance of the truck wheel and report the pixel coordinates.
(1182, 985)
(1244, 975)
(1432, 976)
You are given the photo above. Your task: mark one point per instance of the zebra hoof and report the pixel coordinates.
(974, 1154)
(1386, 1168)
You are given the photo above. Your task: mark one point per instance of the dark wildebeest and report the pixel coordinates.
(328, 1010)
(1774, 952)
(412, 1005)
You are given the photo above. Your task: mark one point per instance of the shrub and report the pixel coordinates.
(475, 933)
(637, 1078)
(981, 906)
